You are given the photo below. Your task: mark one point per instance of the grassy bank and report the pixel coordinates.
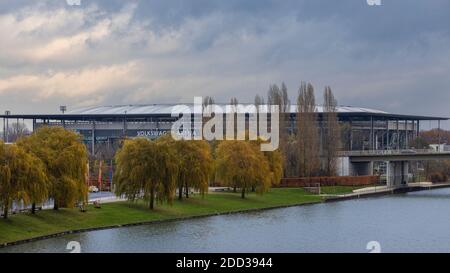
(24, 226)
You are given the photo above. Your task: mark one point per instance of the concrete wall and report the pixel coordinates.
(347, 168)
(343, 166)
(362, 168)
(397, 173)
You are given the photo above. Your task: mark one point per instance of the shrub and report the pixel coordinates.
(438, 177)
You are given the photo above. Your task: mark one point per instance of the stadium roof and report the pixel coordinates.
(167, 109)
(149, 110)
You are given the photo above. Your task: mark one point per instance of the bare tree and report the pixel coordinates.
(331, 133)
(273, 95)
(285, 102)
(277, 96)
(17, 130)
(259, 101)
(234, 101)
(207, 101)
(307, 132)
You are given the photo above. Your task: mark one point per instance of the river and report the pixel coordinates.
(412, 222)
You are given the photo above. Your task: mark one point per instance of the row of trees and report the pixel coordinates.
(49, 164)
(434, 136)
(311, 145)
(12, 132)
(154, 170)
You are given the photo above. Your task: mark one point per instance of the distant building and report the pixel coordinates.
(440, 147)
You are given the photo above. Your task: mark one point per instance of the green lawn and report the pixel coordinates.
(23, 226)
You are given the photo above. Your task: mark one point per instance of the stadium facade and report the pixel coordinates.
(104, 127)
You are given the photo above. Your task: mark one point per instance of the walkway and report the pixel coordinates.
(381, 190)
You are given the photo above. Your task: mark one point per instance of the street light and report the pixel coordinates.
(7, 113)
(63, 108)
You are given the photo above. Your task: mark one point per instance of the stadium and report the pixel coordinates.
(103, 127)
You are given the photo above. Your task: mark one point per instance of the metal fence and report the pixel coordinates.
(392, 152)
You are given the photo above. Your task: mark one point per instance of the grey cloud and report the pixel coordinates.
(394, 57)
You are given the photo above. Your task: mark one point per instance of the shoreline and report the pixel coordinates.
(68, 232)
(326, 199)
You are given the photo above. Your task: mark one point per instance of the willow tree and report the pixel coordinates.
(65, 161)
(275, 159)
(242, 165)
(331, 133)
(276, 164)
(22, 178)
(38, 185)
(146, 169)
(307, 132)
(194, 164)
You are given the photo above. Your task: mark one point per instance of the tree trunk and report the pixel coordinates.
(5, 212)
(243, 193)
(234, 189)
(180, 192)
(187, 190)
(55, 205)
(253, 188)
(33, 208)
(152, 198)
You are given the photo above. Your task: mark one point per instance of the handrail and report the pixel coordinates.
(392, 152)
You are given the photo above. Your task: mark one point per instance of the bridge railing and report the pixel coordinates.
(391, 152)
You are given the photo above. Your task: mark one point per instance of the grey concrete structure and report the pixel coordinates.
(397, 162)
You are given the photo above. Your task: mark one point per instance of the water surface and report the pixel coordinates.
(412, 222)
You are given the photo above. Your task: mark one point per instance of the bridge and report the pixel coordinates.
(397, 168)
(396, 155)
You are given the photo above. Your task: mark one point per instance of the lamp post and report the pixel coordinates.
(63, 109)
(7, 113)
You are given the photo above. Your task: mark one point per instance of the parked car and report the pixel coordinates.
(93, 189)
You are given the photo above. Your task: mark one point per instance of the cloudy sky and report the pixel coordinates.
(394, 57)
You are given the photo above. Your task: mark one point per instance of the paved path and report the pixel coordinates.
(380, 190)
(103, 197)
